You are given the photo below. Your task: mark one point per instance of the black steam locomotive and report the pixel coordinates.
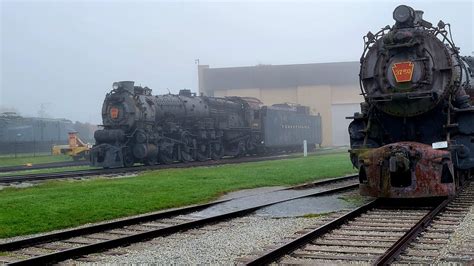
(414, 135)
(142, 128)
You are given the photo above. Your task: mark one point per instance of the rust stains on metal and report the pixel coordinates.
(406, 170)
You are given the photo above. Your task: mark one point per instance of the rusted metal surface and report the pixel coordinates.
(406, 170)
(406, 98)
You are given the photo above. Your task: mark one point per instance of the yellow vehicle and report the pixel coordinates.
(76, 148)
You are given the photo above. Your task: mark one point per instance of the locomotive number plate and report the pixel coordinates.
(439, 145)
(114, 112)
(403, 71)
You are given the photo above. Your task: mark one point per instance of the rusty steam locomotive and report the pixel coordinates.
(414, 136)
(142, 128)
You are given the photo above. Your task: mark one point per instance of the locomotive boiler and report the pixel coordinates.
(139, 127)
(414, 135)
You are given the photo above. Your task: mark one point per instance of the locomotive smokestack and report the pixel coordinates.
(185, 92)
(125, 85)
(403, 14)
(420, 21)
(418, 16)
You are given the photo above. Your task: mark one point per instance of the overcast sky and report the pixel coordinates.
(66, 54)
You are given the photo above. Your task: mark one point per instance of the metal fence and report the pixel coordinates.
(28, 147)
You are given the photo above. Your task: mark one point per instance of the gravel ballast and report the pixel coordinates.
(221, 243)
(461, 243)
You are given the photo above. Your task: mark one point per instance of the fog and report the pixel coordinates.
(65, 55)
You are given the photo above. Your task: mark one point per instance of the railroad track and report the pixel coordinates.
(376, 233)
(428, 246)
(17, 168)
(42, 166)
(74, 243)
(95, 172)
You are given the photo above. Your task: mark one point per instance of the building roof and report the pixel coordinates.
(280, 76)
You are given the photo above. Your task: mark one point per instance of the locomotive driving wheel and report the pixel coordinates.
(186, 149)
(166, 158)
(167, 154)
(202, 153)
(217, 151)
(241, 150)
(151, 161)
(186, 155)
(128, 160)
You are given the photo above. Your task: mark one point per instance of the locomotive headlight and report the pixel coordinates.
(115, 85)
(403, 14)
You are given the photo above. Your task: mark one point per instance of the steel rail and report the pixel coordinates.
(92, 172)
(14, 245)
(143, 218)
(286, 248)
(17, 168)
(142, 236)
(64, 174)
(384, 259)
(42, 166)
(408, 237)
(322, 182)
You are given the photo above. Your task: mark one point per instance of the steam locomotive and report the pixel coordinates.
(414, 135)
(141, 128)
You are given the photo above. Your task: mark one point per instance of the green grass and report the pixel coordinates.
(22, 160)
(60, 204)
(47, 170)
(354, 198)
(316, 215)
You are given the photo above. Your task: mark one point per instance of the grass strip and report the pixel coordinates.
(23, 160)
(46, 171)
(61, 204)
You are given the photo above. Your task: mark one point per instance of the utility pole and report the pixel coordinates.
(196, 62)
(42, 111)
(18, 135)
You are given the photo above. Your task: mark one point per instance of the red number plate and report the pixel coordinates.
(403, 71)
(114, 112)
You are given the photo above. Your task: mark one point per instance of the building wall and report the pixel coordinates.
(339, 112)
(334, 103)
(330, 89)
